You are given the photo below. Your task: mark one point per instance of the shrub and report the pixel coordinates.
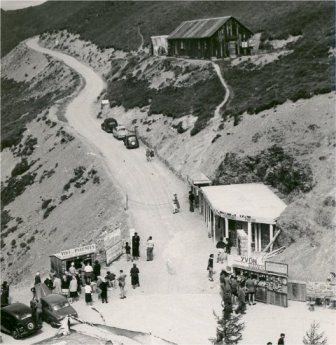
(45, 203)
(215, 138)
(48, 211)
(13, 243)
(23, 244)
(31, 239)
(20, 168)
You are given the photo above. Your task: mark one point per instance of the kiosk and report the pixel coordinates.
(61, 261)
(196, 181)
(271, 277)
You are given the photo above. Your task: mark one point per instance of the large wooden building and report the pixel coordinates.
(210, 38)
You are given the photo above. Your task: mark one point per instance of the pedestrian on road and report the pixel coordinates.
(88, 269)
(103, 287)
(88, 294)
(110, 279)
(72, 268)
(37, 278)
(251, 289)
(210, 268)
(135, 276)
(135, 246)
(128, 251)
(65, 284)
(96, 269)
(281, 340)
(49, 283)
(122, 283)
(4, 294)
(36, 307)
(73, 287)
(191, 201)
(150, 248)
(220, 250)
(234, 288)
(241, 299)
(176, 204)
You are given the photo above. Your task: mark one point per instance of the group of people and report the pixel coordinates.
(133, 253)
(281, 340)
(223, 248)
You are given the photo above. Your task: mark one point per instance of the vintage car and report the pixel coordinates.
(54, 308)
(109, 124)
(17, 320)
(131, 141)
(120, 132)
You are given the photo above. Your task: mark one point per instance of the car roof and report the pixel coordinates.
(54, 298)
(17, 308)
(110, 119)
(120, 127)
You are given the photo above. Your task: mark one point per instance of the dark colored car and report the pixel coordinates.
(54, 308)
(17, 320)
(109, 124)
(131, 141)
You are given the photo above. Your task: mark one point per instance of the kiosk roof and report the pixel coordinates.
(254, 200)
(199, 178)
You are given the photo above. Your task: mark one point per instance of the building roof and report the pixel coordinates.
(199, 178)
(199, 28)
(253, 202)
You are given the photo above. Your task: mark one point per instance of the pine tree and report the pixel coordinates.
(229, 329)
(313, 337)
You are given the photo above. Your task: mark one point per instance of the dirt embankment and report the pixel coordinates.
(56, 191)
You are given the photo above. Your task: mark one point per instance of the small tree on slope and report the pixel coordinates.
(229, 329)
(313, 337)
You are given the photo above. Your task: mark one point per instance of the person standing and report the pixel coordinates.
(128, 251)
(88, 272)
(73, 287)
(122, 282)
(57, 285)
(72, 268)
(4, 294)
(49, 283)
(135, 246)
(210, 267)
(241, 299)
(281, 340)
(251, 289)
(191, 201)
(37, 278)
(220, 250)
(135, 276)
(176, 204)
(103, 288)
(88, 293)
(36, 307)
(96, 269)
(65, 283)
(150, 248)
(234, 288)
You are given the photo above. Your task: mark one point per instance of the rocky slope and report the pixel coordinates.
(290, 147)
(55, 192)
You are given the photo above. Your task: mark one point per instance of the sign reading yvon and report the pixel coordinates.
(113, 245)
(79, 251)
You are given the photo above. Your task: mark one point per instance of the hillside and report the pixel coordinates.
(52, 183)
(278, 126)
(289, 147)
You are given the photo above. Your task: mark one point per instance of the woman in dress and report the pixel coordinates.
(135, 276)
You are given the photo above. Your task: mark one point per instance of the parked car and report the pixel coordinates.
(131, 141)
(120, 132)
(109, 124)
(17, 320)
(54, 308)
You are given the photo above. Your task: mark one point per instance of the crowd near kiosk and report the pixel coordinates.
(61, 261)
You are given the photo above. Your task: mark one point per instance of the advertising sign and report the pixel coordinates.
(276, 267)
(113, 245)
(79, 251)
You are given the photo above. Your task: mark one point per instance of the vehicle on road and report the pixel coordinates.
(54, 308)
(109, 124)
(120, 132)
(131, 141)
(17, 320)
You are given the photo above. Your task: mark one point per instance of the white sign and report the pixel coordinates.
(233, 216)
(113, 245)
(79, 251)
(276, 267)
(255, 263)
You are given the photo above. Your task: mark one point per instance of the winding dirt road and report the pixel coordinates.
(182, 246)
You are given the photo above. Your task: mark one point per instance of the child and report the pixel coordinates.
(210, 267)
(128, 251)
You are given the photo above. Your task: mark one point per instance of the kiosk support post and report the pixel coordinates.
(249, 237)
(271, 234)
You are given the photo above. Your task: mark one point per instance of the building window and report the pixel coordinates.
(182, 45)
(199, 44)
(205, 45)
